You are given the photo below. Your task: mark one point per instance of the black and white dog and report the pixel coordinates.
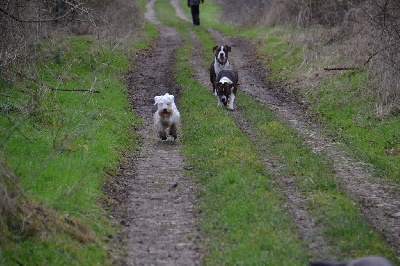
(220, 61)
(226, 86)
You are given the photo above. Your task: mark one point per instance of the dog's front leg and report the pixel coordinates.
(231, 100)
(219, 101)
(173, 131)
(162, 134)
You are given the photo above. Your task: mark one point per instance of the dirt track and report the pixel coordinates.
(157, 202)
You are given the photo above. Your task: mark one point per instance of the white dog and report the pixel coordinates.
(166, 116)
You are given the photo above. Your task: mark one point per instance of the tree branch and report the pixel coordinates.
(53, 88)
(42, 20)
(341, 68)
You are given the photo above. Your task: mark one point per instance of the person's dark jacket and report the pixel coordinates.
(194, 2)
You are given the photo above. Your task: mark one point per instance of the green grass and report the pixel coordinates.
(344, 105)
(166, 15)
(209, 14)
(352, 121)
(61, 148)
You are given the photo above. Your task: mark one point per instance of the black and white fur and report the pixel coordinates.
(226, 86)
(221, 54)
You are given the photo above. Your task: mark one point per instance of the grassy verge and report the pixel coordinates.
(61, 139)
(352, 121)
(341, 101)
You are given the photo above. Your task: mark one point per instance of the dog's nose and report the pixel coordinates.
(165, 110)
(223, 99)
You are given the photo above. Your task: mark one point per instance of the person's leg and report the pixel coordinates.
(195, 14)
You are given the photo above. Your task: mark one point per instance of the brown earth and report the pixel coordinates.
(155, 201)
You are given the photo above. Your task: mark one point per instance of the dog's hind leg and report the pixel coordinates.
(173, 131)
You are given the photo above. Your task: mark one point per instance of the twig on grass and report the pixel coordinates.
(340, 68)
(53, 88)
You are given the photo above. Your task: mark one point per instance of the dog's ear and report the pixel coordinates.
(157, 100)
(215, 48)
(228, 48)
(171, 97)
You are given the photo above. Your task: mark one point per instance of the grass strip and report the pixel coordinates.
(62, 147)
(346, 110)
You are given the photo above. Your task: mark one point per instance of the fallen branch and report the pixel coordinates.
(17, 128)
(340, 68)
(53, 88)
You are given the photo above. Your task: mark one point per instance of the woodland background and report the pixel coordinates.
(370, 30)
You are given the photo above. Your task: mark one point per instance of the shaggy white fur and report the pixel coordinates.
(166, 117)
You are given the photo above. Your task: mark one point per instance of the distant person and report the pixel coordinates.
(195, 8)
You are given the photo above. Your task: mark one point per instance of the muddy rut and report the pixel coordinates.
(155, 203)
